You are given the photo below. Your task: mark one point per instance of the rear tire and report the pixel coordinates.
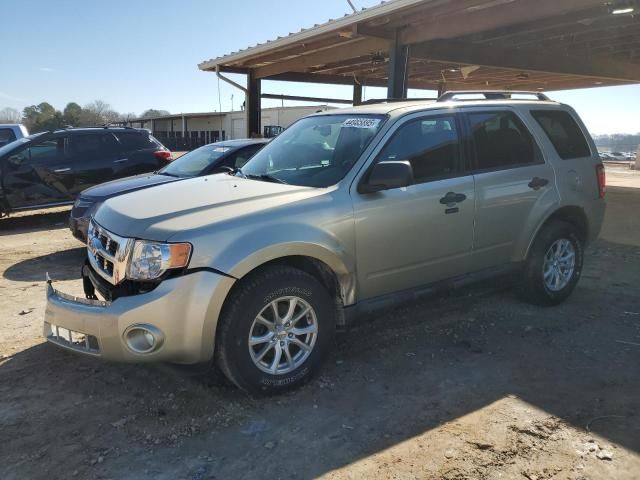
(275, 331)
(553, 266)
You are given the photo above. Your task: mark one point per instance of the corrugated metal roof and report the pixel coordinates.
(365, 14)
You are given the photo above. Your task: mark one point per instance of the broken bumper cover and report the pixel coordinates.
(182, 314)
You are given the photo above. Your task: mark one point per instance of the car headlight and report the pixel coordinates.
(150, 260)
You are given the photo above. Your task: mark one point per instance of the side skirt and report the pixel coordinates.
(372, 307)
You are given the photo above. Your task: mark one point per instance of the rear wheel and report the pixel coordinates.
(553, 266)
(276, 330)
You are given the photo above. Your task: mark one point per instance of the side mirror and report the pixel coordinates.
(387, 175)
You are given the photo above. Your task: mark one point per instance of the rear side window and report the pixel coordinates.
(92, 144)
(135, 140)
(501, 140)
(431, 145)
(564, 133)
(6, 136)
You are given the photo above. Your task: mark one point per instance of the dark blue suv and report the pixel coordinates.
(50, 169)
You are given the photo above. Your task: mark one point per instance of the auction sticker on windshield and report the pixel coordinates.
(361, 122)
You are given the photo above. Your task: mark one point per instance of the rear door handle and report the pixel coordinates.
(61, 170)
(537, 183)
(120, 160)
(452, 198)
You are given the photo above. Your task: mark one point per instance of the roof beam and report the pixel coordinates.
(326, 79)
(296, 98)
(301, 63)
(540, 60)
(501, 15)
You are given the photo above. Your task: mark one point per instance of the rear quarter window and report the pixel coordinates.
(563, 132)
(135, 140)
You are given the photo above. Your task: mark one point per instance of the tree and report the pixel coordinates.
(10, 115)
(152, 112)
(96, 113)
(125, 117)
(39, 117)
(72, 113)
(53, 122)
(110, 116)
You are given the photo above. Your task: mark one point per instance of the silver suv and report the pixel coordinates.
(344, 212)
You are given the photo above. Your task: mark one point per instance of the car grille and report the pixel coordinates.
(108, 253)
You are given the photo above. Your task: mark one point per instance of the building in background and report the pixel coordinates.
(185, 131)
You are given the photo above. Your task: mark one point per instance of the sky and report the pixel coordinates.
(144, 54)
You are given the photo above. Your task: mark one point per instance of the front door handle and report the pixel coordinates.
(537, 183)
(452, 198)
(61, 170)
(121, 160)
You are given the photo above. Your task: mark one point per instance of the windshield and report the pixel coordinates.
(194, 162)
(316, 151)
(10, 146)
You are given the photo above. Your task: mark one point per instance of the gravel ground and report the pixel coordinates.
(477, 385)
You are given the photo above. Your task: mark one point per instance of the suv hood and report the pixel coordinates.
(125, 185)
(159, 213)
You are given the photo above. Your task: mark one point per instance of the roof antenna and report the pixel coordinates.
(352, 7)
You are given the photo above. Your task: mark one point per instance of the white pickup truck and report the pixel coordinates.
(12, 131)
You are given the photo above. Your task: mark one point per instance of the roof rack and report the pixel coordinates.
(374, 101)
(492, 94)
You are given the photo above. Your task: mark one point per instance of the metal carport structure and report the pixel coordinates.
(451, 45)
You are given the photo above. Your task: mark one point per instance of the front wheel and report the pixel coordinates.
(553, 266)
(276, 330)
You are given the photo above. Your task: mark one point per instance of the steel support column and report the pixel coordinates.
(253, 108)
(357, 93)
(398, 68)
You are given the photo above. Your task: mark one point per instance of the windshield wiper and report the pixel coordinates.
(232, 170)
(167, 174)
(266, 178)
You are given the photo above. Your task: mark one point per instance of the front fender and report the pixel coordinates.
(257, 247)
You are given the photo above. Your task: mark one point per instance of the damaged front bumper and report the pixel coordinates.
(177, 320)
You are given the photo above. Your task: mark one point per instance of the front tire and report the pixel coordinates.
(554, 265)
(276, 330)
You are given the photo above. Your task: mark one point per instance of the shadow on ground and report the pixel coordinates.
(64, 265)
(40, 221)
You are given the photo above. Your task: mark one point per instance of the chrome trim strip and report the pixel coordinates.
(98, 252)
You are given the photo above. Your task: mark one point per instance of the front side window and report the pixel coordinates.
(47, 151)
(196, 161)
(430, 144)
(564, 133)
(242, 156)
(316, 151)
(501, 140)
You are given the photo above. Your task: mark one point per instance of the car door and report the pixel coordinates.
(94, 155)
(411, 236)
(511, 177)
(136, 153)
(38, 173)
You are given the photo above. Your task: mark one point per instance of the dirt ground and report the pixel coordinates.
(477, 385)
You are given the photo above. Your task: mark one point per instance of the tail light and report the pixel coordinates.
(602, 180)
(164, 155)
